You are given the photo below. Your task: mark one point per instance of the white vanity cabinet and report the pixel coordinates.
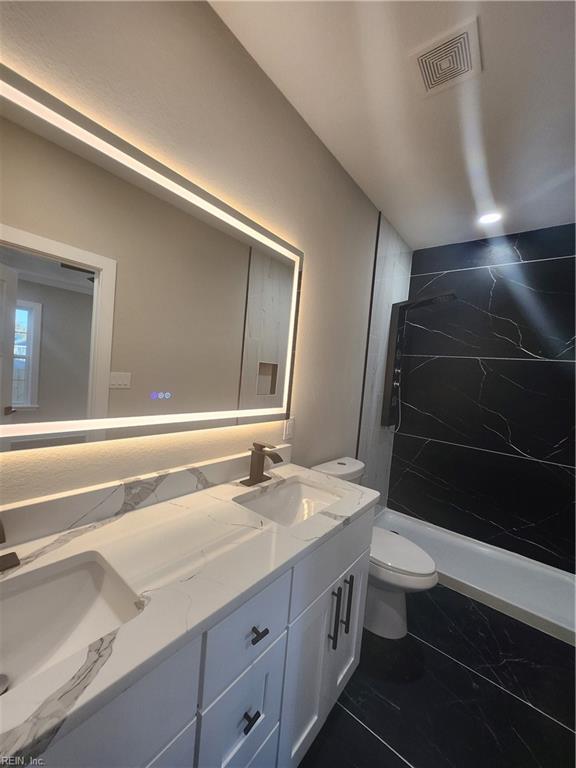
(155, 715)
(254, 689)
(323, 651)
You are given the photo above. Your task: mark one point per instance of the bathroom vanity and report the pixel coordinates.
(213, 629)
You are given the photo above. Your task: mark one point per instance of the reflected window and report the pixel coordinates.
(26, 354)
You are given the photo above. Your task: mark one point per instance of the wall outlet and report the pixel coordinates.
(288, 429)
(120, 380)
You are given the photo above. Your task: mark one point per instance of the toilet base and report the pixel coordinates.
(386, 612)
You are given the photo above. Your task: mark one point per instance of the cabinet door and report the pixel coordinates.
(305, 703)
(180, 752)
(344, 660)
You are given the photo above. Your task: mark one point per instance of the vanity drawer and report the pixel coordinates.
(226, 737)
(134, 727)
(324, 565)
(240, 638)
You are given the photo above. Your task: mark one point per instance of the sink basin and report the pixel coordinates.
(288, 503)
(54, 611)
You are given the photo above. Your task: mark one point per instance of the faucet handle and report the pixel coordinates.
(263, 447)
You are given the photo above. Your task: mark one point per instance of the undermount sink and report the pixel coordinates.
(51, 612)
(288, 503)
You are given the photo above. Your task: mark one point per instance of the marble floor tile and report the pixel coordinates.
(528, 663)
(438, 714)
(343, 742)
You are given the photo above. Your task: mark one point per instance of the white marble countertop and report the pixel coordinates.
(191, 561)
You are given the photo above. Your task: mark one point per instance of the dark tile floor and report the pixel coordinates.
(410, 704)
(345, 742)
(530, 664)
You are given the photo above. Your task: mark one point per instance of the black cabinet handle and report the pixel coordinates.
(251, 720)
(334, 635)
(259, 635)
(346, 621)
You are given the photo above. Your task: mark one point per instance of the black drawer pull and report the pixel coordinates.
(259, 635)
(346, 621)
(251, 721)
(334, 635)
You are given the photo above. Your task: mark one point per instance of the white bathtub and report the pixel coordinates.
(537, 594)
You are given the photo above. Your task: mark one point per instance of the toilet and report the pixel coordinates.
(397, 565)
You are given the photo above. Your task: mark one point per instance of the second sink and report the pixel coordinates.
(288, 503)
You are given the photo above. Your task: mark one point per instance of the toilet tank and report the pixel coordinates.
(344, 468)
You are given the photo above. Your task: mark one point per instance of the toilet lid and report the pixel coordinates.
(389, 550)
(344, 468)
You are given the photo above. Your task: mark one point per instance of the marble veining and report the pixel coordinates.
(88, 506)
(137, 494)
(519, 311)
(215, 554)
(52, 546)
(534, 245)
(485, 440)
(527, 663)
(33, 737)
(483, 403)
(435, 712)
(527, 506)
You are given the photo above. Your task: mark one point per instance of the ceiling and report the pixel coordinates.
(46, 271)
(431, 163)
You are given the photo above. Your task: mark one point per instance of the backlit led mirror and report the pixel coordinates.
(121, 301)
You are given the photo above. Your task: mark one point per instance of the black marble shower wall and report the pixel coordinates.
(485, 441)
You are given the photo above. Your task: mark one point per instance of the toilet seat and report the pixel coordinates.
(391, 552)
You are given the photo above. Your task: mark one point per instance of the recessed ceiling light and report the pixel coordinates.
(490, 218)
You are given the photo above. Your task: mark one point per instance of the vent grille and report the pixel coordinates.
(452, 59)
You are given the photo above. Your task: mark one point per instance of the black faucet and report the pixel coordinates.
(259, 453)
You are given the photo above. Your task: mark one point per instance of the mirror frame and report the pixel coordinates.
(35, 109)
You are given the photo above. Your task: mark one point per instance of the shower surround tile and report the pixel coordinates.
(438, 714)
(484, 403)
(549, 243)
(522, 505)
(485, 440)
(521, 310)
(537, 668)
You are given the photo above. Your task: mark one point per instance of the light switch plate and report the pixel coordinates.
(120, 380)
(288, 429)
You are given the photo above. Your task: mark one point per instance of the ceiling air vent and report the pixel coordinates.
(450, 59)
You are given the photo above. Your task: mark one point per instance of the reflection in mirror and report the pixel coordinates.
(48, 328)
(200, 318)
